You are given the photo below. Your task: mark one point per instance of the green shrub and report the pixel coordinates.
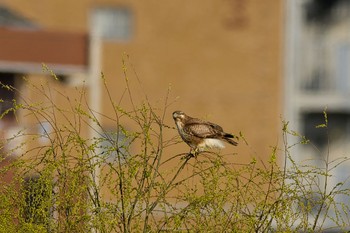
(121, 180)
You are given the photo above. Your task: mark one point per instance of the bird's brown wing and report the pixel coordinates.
(203, 129)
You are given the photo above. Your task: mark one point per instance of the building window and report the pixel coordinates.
(332, 147)
(320, 11)
(112, 23)
(10, 133)
(342, 72)
(338, 128)
(7, 94)
(317, 81)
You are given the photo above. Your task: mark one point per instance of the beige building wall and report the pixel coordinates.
(221, 58)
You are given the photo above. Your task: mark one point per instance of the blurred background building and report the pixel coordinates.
(317, 71)
(223, 59)
(317, 68)
(317, 79)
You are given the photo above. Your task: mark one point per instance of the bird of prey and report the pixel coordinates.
(199, 134)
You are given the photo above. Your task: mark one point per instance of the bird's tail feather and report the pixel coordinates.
(227, 135)
(228, 139)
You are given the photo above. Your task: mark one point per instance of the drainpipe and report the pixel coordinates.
(94, 86)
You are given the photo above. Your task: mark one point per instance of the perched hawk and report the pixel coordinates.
(200, 134)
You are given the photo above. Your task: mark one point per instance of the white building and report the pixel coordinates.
(317, 77)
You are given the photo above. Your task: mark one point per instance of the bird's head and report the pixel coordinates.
(179, 115)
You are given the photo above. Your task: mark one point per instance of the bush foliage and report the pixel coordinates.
(129, 180)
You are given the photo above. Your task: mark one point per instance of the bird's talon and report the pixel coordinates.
(191, 154)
